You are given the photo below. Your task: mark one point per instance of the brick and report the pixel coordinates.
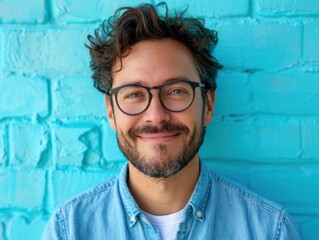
(46, 51)
(229, 99)
(67, 184)
(30, 145)
(253, 140)
(292, 93)
(310, 140)
(21, 188)
(76, 97)
(211, 8)
(11, 11)
(66, 11)
(3, 146)
(293, 186)
(77, 146)
(311, 39)
(23, 97)
(287, 7)
(111, 150)
(252, 46)
(23, 227)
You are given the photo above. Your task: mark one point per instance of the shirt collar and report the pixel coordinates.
(197, 203)
(128, 201)
(200, 196)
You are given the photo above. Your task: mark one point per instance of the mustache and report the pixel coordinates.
(164, 128)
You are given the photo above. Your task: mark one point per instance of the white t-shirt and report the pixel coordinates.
(167, 225)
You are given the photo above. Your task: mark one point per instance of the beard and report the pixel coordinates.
(163, 165)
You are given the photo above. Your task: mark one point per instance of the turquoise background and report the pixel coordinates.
(55, 140)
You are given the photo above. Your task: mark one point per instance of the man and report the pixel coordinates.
(158, 77)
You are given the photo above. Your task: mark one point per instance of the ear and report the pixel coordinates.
(110, 111)
(209, 108)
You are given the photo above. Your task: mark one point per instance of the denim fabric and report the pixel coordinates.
(218, 209)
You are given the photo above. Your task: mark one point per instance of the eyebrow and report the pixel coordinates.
(142, 83)
(179, 78)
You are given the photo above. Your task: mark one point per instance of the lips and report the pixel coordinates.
(158, 137)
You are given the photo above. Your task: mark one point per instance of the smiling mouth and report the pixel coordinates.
(164, 133)
(158, 137)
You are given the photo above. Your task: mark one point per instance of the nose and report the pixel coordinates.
(156, 113)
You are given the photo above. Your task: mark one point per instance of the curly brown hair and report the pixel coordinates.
(129, 25)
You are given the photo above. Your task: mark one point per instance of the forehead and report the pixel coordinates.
(153, 62)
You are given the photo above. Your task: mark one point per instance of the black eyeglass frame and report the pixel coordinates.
(194, 85)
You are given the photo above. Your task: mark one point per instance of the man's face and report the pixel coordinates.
(158, 142)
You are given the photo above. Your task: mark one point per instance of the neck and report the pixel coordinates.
(164, 196)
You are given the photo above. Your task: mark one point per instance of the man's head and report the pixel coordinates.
(114, 38)
(157, 74)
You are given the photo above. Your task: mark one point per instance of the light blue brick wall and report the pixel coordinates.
(54, 136)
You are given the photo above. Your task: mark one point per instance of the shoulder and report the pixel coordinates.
(234, 202)
(242, 199)
(96, 193)
(95, 200)
(241, 208)
(73, 216)
(238, 192)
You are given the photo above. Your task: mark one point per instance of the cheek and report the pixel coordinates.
(124, 122)
(198, 109)
(192, 117)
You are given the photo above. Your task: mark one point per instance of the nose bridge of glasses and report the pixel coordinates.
(156, 97)
(154, 87)
(149, 89)
(151, 94)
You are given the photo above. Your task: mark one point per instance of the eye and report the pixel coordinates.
(178, 92)
(134, 95)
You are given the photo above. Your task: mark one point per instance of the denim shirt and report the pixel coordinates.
(217, 209)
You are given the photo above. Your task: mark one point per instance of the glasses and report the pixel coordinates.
(175, 96)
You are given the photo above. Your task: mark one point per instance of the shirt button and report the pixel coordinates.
(199, 214)
(133, 218)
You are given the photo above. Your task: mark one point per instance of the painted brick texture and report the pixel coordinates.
(46, 51)
(25, 90)
(54, 136)
(12, 11)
